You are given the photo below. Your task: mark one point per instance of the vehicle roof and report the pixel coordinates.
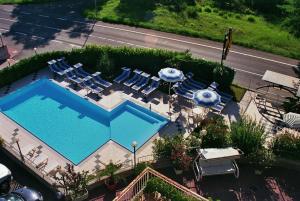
(4, 171)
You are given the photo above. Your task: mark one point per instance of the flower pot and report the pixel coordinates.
(178, 171)
(82, 197)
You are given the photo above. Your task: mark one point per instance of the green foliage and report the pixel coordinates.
(25, 1)
(247, 135)
(73, 183)
(110, 171)
(217, 133)
(292, 104)
(287, 145)
(106, 64)
(148, 60)
(140, 167)
(251, 19)
(267, 33)
(166, 190)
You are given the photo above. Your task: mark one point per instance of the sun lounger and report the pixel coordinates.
(71, 76)
(214, 85)
(50, 167)
(181, 92)
(218, 108)
(143, 82)
(80, 71)
(55, 69)
(62, 64)
(90, 86)
(123, 76)
(100, 81)
(29, 150)
(41, 160)
(152, 87)
(136, 77)
(189, 80)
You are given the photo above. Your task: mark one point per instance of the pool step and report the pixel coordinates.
(142, 114)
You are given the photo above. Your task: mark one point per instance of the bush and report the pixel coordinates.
(140, 167)
(166, 190)
(149, 60)
(192, 12)
(251, 19)
(250, 137)
(207, 9)
(247, 135)
(1, 142)
(217, 133)
(287, 145)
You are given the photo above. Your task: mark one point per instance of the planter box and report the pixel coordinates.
(83, 197)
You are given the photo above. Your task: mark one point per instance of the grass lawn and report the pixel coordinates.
(203, 21)
(237, 92)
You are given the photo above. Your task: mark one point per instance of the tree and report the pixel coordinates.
(295, 19)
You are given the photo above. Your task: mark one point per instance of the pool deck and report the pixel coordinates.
(111, 151)
(112, 97)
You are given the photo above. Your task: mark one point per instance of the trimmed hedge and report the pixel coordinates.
(166, 190)
(149, 60)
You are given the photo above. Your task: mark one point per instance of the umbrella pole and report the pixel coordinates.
(170, 99)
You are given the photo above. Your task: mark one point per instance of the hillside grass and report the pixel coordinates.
(203, 21)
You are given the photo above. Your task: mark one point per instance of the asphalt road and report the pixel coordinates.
(60, 26)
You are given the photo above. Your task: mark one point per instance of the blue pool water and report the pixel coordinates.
(73, 126)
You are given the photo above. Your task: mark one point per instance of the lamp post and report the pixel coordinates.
(2, 44)
(35, 50)
(134, 145)
(22, 157)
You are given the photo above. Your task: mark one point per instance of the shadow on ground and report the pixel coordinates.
(41, 29)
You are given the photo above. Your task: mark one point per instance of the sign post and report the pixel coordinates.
(226, 45)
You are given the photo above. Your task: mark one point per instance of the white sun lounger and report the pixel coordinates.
(41, 160)
(51, 166)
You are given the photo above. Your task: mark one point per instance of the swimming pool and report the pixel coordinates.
(73, 126)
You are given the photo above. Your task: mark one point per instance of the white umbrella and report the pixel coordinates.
(206, 98)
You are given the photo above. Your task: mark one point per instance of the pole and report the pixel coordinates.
(22, 157)
(134, 157)
(35, 50)
(170, 99)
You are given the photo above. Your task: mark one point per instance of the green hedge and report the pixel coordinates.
(148, 60)
(166, 190)
(287, 145)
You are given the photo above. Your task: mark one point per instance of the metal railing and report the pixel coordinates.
(136, 187)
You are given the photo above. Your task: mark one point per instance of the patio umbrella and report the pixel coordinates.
(170, 75)
(206, 98)
(292, 120)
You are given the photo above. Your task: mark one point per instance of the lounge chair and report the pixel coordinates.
(29, 150)
(55, 69)
(71, 76)
(123, 76)
(143, 82)
(100, 81)
(214, 85)
(181, 92)
(41, 161)
(193, 83)
(80, 71)
(61, 63)
(134, 79)
(152, 87)
(90, 86)
(218, 108)
(50, 167)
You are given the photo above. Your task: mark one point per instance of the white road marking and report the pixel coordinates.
(57, 41)
(249, 72)
(60, 18)
(24, 34)
(46, 16)
(118, 41)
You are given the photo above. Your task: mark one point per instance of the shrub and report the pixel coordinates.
(287, 145)
(251, 19)
(207, 9)
(192, 12)
(149, 60)
(238, 16)
(292, 104)
(217, 133)
(140, 167)
(166, 190)
(247, 135)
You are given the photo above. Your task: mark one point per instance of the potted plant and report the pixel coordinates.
(180, 159)
(73, 183)
(110, 171)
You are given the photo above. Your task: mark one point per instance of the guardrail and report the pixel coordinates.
(136, 187)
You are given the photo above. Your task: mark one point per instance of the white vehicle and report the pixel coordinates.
(5, 179)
